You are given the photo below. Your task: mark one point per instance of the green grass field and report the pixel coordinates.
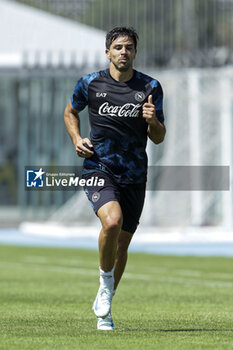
(163, 302)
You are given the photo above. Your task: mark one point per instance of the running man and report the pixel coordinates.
(125, 107)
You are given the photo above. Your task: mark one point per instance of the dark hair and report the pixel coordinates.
(121, 31)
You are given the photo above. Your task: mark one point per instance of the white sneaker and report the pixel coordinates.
(103, 301)
(105, 324)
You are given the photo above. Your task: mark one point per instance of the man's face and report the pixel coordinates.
(122, 53)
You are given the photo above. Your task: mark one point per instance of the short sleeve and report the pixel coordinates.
(157, 94)
(79, 99)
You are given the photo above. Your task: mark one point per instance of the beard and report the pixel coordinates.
(122, 67)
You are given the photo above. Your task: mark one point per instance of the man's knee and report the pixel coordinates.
(112, 222)
(110, 215)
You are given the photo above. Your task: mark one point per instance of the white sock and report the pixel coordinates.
(107, 278)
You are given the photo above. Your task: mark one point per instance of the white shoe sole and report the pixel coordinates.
(105, 324)
(105, 329)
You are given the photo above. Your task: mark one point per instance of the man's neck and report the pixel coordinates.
(121, 76)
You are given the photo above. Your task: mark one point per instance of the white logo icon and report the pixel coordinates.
(35, 178)
(139, 96)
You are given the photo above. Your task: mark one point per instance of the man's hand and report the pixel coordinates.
(156, 130)
(84, 148)
(148, 111)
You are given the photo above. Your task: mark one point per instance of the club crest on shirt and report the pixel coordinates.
(95, 197)
(139, 96)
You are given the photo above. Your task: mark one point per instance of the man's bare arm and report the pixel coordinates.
(72, 123)
(157, 132)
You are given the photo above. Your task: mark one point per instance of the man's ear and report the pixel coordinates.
(107, 53)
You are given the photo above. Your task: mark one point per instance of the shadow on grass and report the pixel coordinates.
(174, 330)
(194, 330)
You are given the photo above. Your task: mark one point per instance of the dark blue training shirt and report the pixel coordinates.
(118, 131)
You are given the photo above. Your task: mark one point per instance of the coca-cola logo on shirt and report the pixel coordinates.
(127, 110)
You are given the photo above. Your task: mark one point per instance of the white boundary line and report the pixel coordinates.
(143, 234)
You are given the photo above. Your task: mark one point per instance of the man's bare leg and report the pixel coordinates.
(110, 215)
(121, 255)
(111, 218)
(119, 267)
(113, 245)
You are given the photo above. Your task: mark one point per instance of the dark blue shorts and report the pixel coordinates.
(130, 197)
